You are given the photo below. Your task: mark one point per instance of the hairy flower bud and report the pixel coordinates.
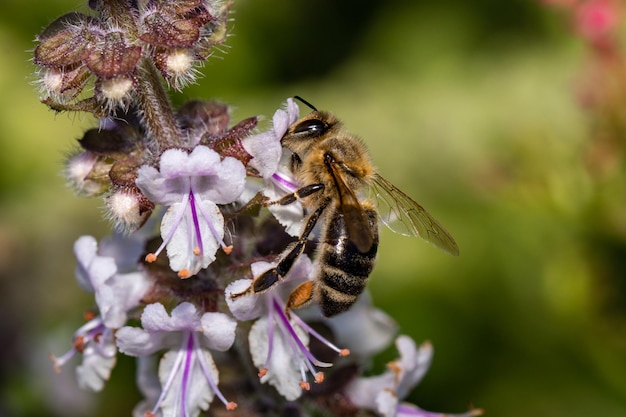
(128, 208)
(88, 173)
(177, 66)
(116, 92)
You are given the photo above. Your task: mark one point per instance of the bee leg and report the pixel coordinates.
(301, 296)
(270, 277)
(300, 193)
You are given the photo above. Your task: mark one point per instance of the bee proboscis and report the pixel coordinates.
(335, 169)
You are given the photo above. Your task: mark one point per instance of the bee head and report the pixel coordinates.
(307, 131)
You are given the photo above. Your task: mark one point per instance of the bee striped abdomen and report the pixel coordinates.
(344, 269)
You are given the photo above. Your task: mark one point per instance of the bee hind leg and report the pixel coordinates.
(301, 296)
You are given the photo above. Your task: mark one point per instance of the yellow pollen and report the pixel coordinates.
(184, 273)
(262, 372)
(151, 257)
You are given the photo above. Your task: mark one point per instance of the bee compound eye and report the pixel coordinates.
(311, 127)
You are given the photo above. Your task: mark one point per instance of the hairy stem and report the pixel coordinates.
(153, 104)
(155, 108)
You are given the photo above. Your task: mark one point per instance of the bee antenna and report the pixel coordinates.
(312, 107)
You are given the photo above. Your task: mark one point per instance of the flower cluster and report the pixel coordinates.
(109, 48)
(186, 191)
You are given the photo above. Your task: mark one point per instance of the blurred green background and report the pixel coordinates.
(470, 107)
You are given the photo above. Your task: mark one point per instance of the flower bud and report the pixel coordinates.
(88, 173)
(116, 91)
(177, 66)
(128, 208)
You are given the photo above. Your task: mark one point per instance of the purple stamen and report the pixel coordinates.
(186, 372)
(209, 223)
(294, 336)
(285, 182)
(176, 222)
(407, 410)
(270, 336)
(205, 369)
(318, 336)
(196, 225)
(170, 378)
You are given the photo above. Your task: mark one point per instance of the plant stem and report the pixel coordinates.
(155, 108)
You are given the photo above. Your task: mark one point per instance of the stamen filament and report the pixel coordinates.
(303, 349)
(151, 257)
(285, 182)
(230, 405)
(313, 332)
(189, 351)
(217, 236)
(198, 250)
(170, 379)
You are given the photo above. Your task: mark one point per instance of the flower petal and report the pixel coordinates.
(265, 149)
(98, 362)
(245, 307)
(224, 185)
(134, 341)
(364, 329)
(413, 363)
(283, 371)
(219, 330)
(123, 292)
(198, 392)
(92, 270)
(180, 248)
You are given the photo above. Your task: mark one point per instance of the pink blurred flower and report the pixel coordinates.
(597, 19)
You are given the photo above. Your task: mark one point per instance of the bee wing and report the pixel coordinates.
(403, 215)
(357, 223)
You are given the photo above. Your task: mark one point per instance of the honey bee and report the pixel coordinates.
(335, 170)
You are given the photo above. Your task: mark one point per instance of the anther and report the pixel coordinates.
(305, 385)
(55, 363)
(231, 406)
(319, 377)
(262, 372)
(184, 273)
(151, 257)
(79, 343)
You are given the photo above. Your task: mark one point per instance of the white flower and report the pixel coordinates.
(115, 294)
(272, 162)
(187, 372)
(191, 185)
(382, 393)
(265, 148)
(279, 343)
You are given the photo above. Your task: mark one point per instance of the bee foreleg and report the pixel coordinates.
(297, 195)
